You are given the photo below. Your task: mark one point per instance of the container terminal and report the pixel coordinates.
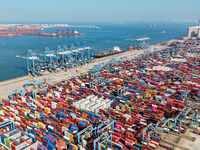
(36, 32)
(136, 100)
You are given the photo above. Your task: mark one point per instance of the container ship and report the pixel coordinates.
(8, 34)
(116, 50)
(49, 34)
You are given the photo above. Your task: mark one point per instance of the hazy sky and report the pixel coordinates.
(98, 10)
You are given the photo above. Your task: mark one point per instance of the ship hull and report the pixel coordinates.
(100, 56)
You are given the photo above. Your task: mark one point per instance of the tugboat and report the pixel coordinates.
(116, 50)
(131, 48)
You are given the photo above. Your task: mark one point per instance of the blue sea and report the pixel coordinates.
(105, 38)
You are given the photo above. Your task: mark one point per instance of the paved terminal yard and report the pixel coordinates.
(136, 118)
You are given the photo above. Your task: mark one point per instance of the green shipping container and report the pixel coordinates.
(146, 116)
(7, 142)
(81, 110)
(131, 108)
(139, 146)
(103, 146)
(158, 101)
(153, 115)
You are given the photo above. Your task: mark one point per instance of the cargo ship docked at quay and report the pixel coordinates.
(116, 50)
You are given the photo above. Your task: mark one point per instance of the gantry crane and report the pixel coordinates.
(33, 63)
(75, 54)
(16, 91)
(49, 60)
(142, 41)
(61, 57)
(89, 52)
(195, 119)
(30, 82)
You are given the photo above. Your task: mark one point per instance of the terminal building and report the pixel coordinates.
(194, 31)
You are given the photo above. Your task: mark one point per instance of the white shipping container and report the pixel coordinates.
(17, 123)
(34, 123)
(16, 135)
(54, 104)
(153, 105)
(130, 129)
(174, 108)
(34, 145)
(64, 129)
(144, 123)
(51, 127)
(96, 110)
(23, 99)
(60, 89)
(83, 84)
(57, 94)
(82, 103)
(17, 118)
(85, 104)
(66, 138)
(89, 97)
(93, 99)
(29, 128)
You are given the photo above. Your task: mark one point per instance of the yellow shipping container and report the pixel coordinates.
(39, 124)
(71, 138)
(47, 110)
(122, 109)
(42, 125)
(148, 95)
(18, 101)
(37, 114)
(28, 110)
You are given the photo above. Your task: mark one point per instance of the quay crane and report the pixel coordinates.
(62, 57)
(141, 41)
(49, 60)
(89, 52)
(81, 54)
(33, 63)
(75, 54)
(68, 57)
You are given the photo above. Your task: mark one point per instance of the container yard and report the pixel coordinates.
(137, 100)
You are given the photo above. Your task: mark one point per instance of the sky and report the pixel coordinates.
(97, 10)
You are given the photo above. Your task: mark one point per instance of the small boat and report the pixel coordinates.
(131, 48)
(162, 32)
(152, 26)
